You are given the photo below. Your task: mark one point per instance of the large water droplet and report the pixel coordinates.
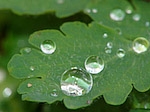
(136, 17)
(109, 44)
(140, 45)
(54, 93)
(94, 64)
(107, 50)
(48, 47)
(117, 15)
(105, 35)
(120, 53)
(7, 92)
(76, 82)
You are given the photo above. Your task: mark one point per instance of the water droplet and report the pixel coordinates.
(94, 64)
(7, 92)
(129, 10)
(27, 50)
(60, 1)
(119, 31)
(94, 10)
(107, 50)
(109, 44)
(140, 45)
(147, 24)
(105, 35)
(73, 82)
(48, 47)
(29, 85)
(88, 10)
(54, 93)
(117, 15)
(136, 17)
(88, 102)
(32, 68)
(120, 53)
(2, 75)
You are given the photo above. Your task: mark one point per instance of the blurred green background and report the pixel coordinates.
(14, 33)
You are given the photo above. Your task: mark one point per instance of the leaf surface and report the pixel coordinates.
(74, 45)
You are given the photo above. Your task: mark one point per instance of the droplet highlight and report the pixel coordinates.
(54, 93)
(109, 44)
(7, 92)
(121, 53)
(140, 45)
(32, 68)
(48, 47)
(107, 50)
(136, 17)
(94, 64)
(117, 15)
(29, 85)
(105, 35)
(76, 82)
(94, 10)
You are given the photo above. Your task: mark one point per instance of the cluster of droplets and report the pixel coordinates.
(94, 10)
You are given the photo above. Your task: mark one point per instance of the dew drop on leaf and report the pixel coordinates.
(29, 85)
(94, 64)
(76, 82)
(54, 93)
(109, 44)
(27, 50)
(147, 24)
(136, 17)
(129, 10)
(140, 45)
(107, 50)
(120, 53)
(60, 1)
(48, 47)
(94, 10)
(117, 15)
(32, 68)
(105, 35)
(7, 92)
(88, 10)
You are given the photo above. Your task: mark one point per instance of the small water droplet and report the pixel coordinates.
(88, 102)
(109, 44)
(107, 50)
(129, 10)
(32, 68)
(105, 35)
(54, 93)
(136, 17)
(27, 50)
(147, 24)
(94, 10)
(117, 15)
(94, 64)
(60, 1)
(73, 83)
(140, 45)
(2, 75)
(88, 10)
(7, 92)
(120, 53)
(48, 47)
(29, 85)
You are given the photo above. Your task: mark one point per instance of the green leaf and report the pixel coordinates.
(62, 8)
(128, 27)
(74, 45)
